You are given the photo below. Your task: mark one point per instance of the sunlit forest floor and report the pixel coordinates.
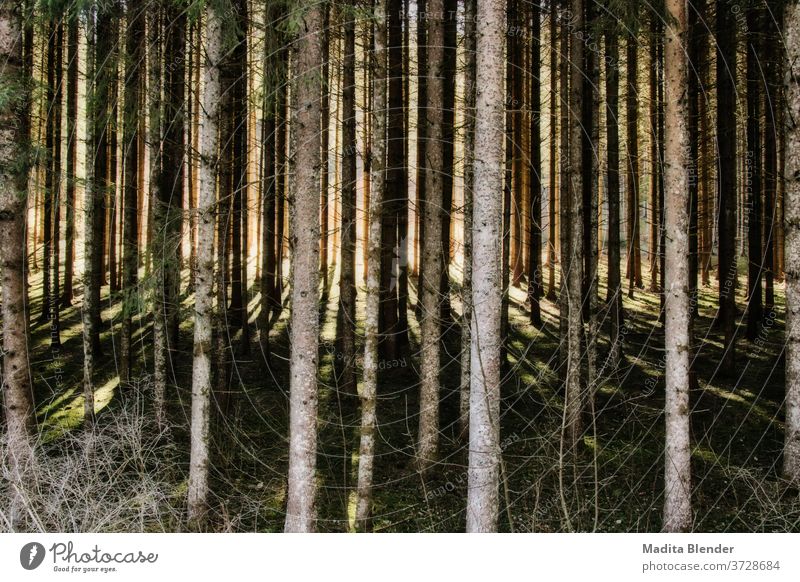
(140, 484)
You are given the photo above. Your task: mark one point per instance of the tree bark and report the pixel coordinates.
(134, 49)
(791, 450)
(677, 466)
(204, 277)
(346, 319)
(377, 178)
(487, 292)
(433, 256)
(14, 167)
(470, 84)
(305, 232)
(726, 176)
(614, 295)
(72, 155)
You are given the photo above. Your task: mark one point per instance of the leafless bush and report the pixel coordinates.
(121, 477)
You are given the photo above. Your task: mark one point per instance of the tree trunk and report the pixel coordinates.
(470, 93)
(753, 174)
(487, 292)
(72, 156)
(204, 278)
(99, 43)
(553, 198)
(422, 143)
(346, 319)
(304, 215)
(433, 256)
(17, 389)
(791, 450)
(166, 210)
(377, 178)
(726, 176)
(574, 396)
(634, 260)
(134, 49)
(614, 295)
(535, 219)
(677, 466)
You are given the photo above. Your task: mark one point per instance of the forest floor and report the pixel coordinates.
(737, 430)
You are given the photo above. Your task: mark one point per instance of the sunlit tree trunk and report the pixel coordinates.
(677, 469)
(487, 292)
(204, 277)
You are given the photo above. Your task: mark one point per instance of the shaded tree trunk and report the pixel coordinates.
(791, 449)
(72, 156)
(17, 389)
(377, 192)
(614, 294)
(726, 177)
(346, 319)
(134, 49)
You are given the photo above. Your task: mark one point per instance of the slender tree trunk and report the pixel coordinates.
(72, 156)
(377, 166)
(55, 289)
(304, 216)
(448, 150)
(614, 295)
(726, 176)
(470, 94)
(553, 198)
(677, 467)
(204, 277)
(395, 187)
(487, 292)
(791, 450)
(574, 396)
(166, 212)
(535, 284)
(346, 319)
(634, 261)
(134, 49)
(753, 184)
(655, 157)
(270, 177)
(17, 389)
(324, 211)
(280, 162)
(50, 179)
(433, 256)
(99, 43)
(422, 140)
